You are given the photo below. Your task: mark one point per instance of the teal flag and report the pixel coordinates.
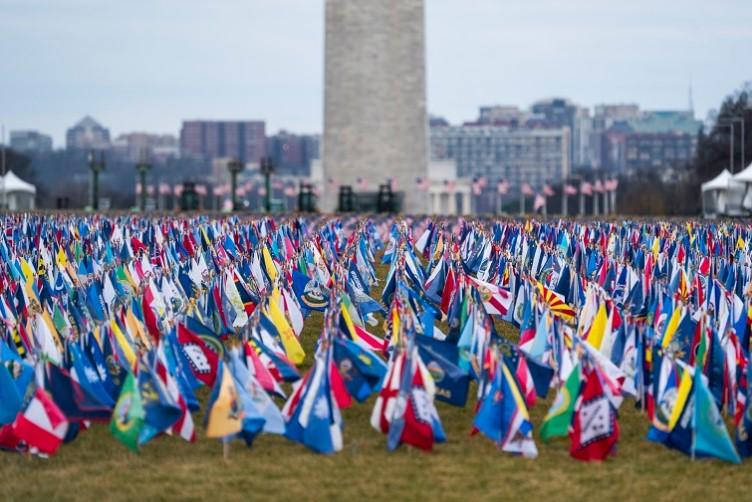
(711, 435)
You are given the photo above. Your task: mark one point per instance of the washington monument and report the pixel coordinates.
(375, 123)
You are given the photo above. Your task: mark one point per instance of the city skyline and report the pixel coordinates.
(159, 65)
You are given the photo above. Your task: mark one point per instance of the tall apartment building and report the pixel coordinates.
(30, 142)
(292, 154)
(532, 155)
(210, 139)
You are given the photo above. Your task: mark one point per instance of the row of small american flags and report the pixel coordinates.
(220, 190)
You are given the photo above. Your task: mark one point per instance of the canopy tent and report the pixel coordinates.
(19, 195)
(745, 177)
(722, 196)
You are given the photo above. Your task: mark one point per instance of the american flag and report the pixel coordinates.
(477, 188)
(422, 183)
(586, 188)
(598, 187)
(570, 189)
(201, 190)
(150, 189)
(450, 185)
(138, 188)
(612, 184)
(503, 187)
(482, 181)
(331, 182)
(177, 190)
(241, 191)
(547, 190)
(290, 191)
(164, 189)
(392, 184)
(526, 189)
(361, 183)
(539, 202)
(262, 191)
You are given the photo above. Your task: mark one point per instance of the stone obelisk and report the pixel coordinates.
(375, 122)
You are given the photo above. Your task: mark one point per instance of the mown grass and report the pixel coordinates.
(95, 466)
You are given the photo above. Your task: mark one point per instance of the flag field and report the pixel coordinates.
(96, 466)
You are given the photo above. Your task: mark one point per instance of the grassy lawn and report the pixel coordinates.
(96, 466)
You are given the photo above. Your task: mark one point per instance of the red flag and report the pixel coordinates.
(449, 286)
(202, 359)
(42, 425)
(595, 429)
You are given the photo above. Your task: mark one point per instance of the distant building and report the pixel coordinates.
(292, 154)
(30, 142)
(532, 155)
(652, 140)
(211, 139)
(87, 134)
(604, 117)
(502, 115)
(157, 148)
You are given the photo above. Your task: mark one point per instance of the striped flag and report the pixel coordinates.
(526, 189)
(539, 202)
(547, 190)
(586, 188)
(570, 189)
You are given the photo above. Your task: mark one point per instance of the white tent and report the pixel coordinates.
(745, 177)
(722, 196)
(19, 195)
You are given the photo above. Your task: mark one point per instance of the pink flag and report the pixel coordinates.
(164, 189)
(547, 190)
(178, 190)
(503, 187)
(539, 202)
(570, 189)
(477, 189)
(201, 190)
(526, 189)
(289, 191)
(586, 188)
(598, 187)
(262, 191)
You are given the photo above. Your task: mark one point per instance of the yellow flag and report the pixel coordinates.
(681, 398)
(595, 337)
(27, 270)
(395, 326)
(125, 346)
(656, 247)
(740, 244)
(673, 325)
(290, 342)
(62, 260)
(271, 268)
(226, 414)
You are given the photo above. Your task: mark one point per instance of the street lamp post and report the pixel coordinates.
(96, 167)
(267, 168)
(143, 167)
(234, 166)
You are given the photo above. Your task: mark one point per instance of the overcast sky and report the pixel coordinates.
(148, 64)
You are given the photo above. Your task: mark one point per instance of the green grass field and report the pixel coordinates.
(96, 466)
